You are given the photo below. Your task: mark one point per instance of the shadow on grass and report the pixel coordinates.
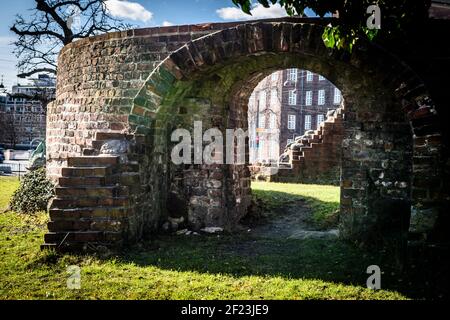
(242, 254)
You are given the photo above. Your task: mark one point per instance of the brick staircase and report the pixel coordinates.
(316, 153)
(92, 206)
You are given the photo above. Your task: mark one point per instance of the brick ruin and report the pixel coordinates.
(314, 157)
(120, 96)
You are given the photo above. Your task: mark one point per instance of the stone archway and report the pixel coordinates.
(108, 132)
(211, 79)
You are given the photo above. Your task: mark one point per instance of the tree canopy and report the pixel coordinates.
(397, 17)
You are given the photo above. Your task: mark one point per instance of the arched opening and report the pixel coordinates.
(295, 129)
(211, 80)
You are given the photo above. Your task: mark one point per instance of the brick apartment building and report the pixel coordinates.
(285, 105)
(23, 111)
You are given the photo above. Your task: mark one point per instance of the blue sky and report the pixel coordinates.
(142, 13)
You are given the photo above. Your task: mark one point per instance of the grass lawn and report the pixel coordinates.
(236, 266)
(7, 187)
(323, 199)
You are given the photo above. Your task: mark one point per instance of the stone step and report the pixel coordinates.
(89, 213)
(83, 225)
(125, 179)
(92, 161)
(58, 203)
(100, 171)
(91, 191)
(316, 138)
(82, 236)
(81, 181)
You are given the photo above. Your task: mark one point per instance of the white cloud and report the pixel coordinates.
(128, 10)
(167, 24)
(258, 12)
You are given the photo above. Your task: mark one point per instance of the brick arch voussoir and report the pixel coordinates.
(147, 102)
(213, 50)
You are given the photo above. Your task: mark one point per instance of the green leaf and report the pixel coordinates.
(328, 38)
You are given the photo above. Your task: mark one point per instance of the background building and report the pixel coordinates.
(264, 117)
(284, 106)
(23, 111)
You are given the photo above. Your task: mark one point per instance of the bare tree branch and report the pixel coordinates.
(34, 71)
(50, 28)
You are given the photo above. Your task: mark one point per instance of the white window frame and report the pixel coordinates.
(289, 141)
(292, 100)
(320, 119)
(309, 76)
(291, 121)
(308, 98)
(321, 78)
(321, 97)
(292, 74)
(337, 96)
(307, 122)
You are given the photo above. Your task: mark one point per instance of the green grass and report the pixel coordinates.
(322, 199)
(7, 187)
(235, 266)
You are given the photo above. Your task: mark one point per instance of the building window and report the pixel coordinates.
(289, 141)
(319, 119)
(291, 122)
(292, 101)
(273, 96)
(308, 98)
(273, 151)
(321, 78)
(308, 122)
(321, 100)
(337, 96)
(309, 76)
(292, 74)
(262, 99)
(275, 76)
(272, 121)
(262, 121)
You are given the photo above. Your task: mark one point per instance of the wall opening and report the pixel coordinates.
(203, 81)
(295, 128)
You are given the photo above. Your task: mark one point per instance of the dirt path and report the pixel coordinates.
(292, 221)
